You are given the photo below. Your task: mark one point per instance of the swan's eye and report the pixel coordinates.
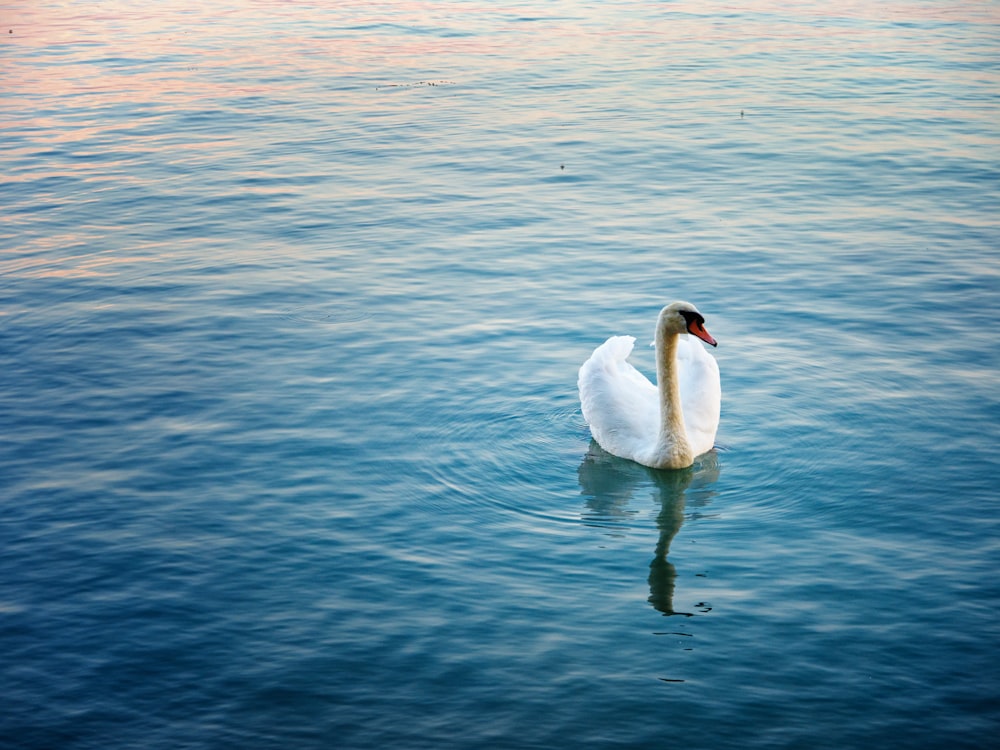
(691, 317)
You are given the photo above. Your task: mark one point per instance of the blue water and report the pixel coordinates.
(292, 300)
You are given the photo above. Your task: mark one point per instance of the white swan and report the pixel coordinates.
(665, 427)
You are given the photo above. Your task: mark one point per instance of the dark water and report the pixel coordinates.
(292, 300)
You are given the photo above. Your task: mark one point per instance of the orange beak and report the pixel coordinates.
(695, 327)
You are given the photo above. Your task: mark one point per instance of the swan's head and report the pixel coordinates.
(683, 317)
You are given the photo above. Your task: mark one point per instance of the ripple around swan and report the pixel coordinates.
(580, 482)
(527, 460)
(504, 475)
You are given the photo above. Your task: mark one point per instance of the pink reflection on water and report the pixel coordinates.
(111, 78)
(173, 50)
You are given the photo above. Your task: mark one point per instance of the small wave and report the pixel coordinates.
(415, 84)
(327, 313)
(518, 463)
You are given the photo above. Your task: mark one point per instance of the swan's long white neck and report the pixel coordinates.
(672, 447)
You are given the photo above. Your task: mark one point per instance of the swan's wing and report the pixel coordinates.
(701, 393)
(619, 403)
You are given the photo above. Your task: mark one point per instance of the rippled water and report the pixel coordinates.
(292, 299)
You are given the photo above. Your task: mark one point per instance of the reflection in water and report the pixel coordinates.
(609, 483)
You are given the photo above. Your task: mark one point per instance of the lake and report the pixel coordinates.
(292, 302)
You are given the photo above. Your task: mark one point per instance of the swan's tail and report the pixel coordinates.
(610, 354)
(600, 372)
(620, 405)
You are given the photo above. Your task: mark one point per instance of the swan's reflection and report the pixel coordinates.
(608, 483)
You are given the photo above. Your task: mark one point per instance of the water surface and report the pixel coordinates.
(292, 300)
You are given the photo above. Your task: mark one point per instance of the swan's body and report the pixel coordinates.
(663, 427)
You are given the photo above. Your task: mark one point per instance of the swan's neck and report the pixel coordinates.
(673, 449)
